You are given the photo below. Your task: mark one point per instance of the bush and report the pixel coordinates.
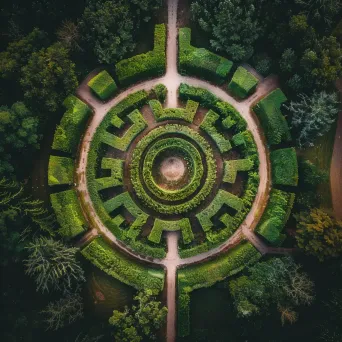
(150, 64)
(69, 213)
(160, 92)
(123, 143)
(275, 216)
(231, 168)
(201, 62)
(272, 120)
(60, 171)
(116, 173)
(183, 314)
(73, 124)
(284, 167)
(243, 83)
(103, 85)
(122, 268)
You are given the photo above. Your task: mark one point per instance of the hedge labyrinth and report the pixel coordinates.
(181, 193)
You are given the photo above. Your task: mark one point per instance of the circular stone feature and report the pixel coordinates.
(172, 169)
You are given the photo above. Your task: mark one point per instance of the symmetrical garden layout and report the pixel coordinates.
(180, 193)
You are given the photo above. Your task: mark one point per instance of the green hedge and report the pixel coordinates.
(171, 226)
(243, 83)
(275, 216)
(60, 170)
(201, 62)
(272, 120)
(150, 64)
(123, 143)
(122, 268)
(231, 168)
(160, 92)
(209, 100)
(103, 85)
(208, 125)
(116, 173)
(284, 167)
(73, 124)
(69, 213)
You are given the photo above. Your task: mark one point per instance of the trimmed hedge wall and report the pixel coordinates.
(72, 126)
(69, 213)
(60, 170)
(201, 62)
(150, 64)
(243, 83)
(103, 85)
(231, 168)
(275, 216)
(284, 167)
(272, 120)
(160, 92)
(120, 267)
(116, 173)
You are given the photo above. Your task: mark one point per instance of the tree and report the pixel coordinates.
(18, 133)
(63, 312)
(312, 116)
(311, 175)
(288, 60)
(69, 35)
(53, 265)
(49, 77)
(319, 234)
(142, 321)
(277, 282)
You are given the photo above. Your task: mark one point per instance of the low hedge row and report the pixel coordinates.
(201, 62)
(209, 100)
(171, 226)
(284, 167)
(272, 120)
(160, 92)
(231, 168)
(69, 213)
(275, 216)
(243, 83)
(222, 197)
(116, 173)
(123, 143)
(208, 273)
(194, 166)
(177, 130)
(73, 124)
(60, 170)
(208, 125)
(150, 64)
(120, 267)
(103, 85)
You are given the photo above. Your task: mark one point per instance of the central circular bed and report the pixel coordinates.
(173, 169)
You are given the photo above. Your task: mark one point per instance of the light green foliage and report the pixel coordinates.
(68, 133)
(149, 64)
(157, 108)
(271, 118)
(222, 198)
(160, 91)
(120, 267)
(231, 168)
(284, 167)
(122, 143)
(201, 62)
(69, 213)
(208, 125)
(243, 83)
(116, 173)
(60, 171)
(275, 216)
(161, 225)
(103, 85)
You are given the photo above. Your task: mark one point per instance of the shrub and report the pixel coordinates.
(69, 213)
(103, 85)
(122, 268)
(149, 64)
(275, 216)
(160, 92)
(183, 314)
(68, 134)
(272, 120)
(122, 143)
(243, 83)
(284, 167)
(60, 171)
(231, 168)
(116, 173)
(157, 109)
(201, 62)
